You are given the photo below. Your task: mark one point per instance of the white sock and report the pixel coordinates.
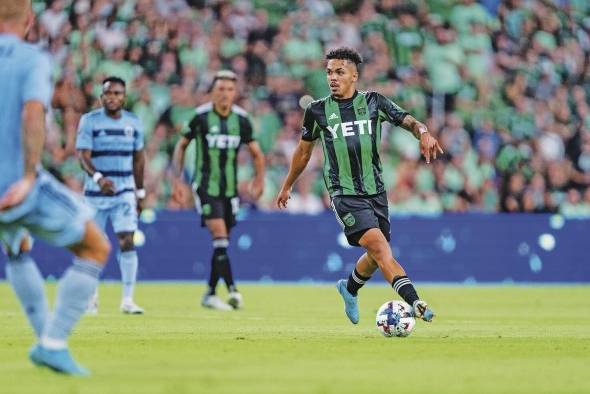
(128, 265)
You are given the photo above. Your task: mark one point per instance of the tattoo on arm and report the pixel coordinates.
(412, 125)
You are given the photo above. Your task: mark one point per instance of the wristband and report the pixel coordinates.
(423, 130)
(140, 193)
(97, 176)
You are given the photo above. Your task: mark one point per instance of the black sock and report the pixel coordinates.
(404, 287)
(355, 282)
(222, 262)
(214, 275)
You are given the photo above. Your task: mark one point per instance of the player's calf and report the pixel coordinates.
(29, 286)
(75, 288)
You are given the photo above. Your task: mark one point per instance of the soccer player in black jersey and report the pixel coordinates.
(219, 128)
(348, 122)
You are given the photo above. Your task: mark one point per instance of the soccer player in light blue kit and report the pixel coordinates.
(110, 148)
(33, 203)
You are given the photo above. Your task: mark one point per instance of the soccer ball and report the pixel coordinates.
(395, 319)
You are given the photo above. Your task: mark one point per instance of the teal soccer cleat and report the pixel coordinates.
(422, 311)
(350, 302)
(57, 360)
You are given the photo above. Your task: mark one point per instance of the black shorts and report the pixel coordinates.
(210, 207)
(357, 214)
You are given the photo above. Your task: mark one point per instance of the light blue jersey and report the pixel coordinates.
(113, 143)
(25, 75)
(50, 211)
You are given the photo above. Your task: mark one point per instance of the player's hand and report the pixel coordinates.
(283, 198)
(17, 192)
(429, 147)
(257, 187)
(106, 186)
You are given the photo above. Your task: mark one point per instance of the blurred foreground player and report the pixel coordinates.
(348, 122)
(219, 128)
(33, 202)
(110, 149)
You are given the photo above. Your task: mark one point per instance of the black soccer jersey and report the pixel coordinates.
(350, 131)
(218, 140)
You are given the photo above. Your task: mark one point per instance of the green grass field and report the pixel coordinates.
(296, 339)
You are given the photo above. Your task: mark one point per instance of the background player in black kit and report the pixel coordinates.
(348, 122)
(219, 129)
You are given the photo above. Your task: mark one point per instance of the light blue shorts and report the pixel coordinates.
(51, 212)
(123, 216)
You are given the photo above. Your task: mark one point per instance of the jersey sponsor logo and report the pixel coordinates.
(333, 116)
(223, 141)
(348, 129)
(349, 219)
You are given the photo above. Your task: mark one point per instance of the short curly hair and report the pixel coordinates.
(345, 53)
(113, 79)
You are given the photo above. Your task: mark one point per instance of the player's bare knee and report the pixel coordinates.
(217, 228)
(126, 243)
(94, 246)
(218, 233)
(101, 250)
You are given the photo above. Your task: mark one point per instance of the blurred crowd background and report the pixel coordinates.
(505, 86)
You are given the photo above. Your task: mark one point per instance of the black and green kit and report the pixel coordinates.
(350, 131)
(218, 140)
